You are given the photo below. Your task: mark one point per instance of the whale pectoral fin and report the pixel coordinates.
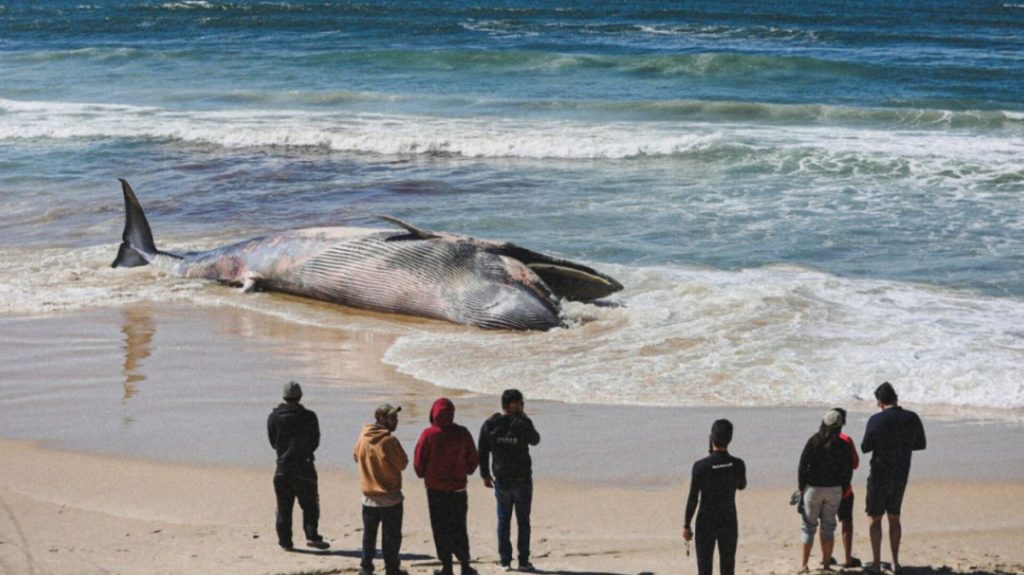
(251, 282)
(574, 282)
(421, 234)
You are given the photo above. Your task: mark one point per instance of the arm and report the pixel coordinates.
(484, 449)
(801, 475)
(530, 432)
(472, 457)
(272, 430)
(867, 445)
(314, 440)
(741, 471)
(421, 455)
(921, 441)
(395, 454)
(855, 459)
(693, 498)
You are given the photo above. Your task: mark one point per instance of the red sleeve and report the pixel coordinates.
(422, 454)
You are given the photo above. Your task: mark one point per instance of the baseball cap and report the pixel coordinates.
(386, 409)
(833, 418)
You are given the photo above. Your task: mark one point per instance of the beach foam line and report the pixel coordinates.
(934, 155)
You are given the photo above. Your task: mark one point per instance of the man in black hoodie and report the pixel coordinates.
(508, 436)
(294, 433)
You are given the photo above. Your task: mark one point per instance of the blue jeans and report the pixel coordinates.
(390, 518)
(513, 495)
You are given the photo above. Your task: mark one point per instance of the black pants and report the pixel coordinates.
(448, 522)
(288, 488)
(705, 544)
(391, 537)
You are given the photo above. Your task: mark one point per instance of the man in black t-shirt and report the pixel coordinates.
(892, 435)
(714, 483)
(507, 436)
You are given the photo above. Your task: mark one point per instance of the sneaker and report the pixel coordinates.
(286, 546)
(505, 566)
(468, 570)
(318, 544)
(442, 572)
(526, 567)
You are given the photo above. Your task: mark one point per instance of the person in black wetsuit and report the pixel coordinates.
(294, 433)
(713, 485)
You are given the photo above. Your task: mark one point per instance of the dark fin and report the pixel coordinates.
(421, 234)
(137, 239)
(566, 279)
(574, 281)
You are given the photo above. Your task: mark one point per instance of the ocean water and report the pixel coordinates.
(802, 199)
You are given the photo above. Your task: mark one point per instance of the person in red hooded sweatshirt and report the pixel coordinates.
(445, 456)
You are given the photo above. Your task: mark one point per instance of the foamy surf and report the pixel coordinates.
(768, 336)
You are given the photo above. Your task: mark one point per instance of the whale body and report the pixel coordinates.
(460, 279)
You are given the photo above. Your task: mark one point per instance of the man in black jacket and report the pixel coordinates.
(508, 436)
(294, 433)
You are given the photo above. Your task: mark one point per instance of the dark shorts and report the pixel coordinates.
(884, 496)
(846, 508)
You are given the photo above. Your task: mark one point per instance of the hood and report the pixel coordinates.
(442, 414)
(287, 410)
(375, 433)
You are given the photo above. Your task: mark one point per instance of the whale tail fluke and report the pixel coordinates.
(137, 247)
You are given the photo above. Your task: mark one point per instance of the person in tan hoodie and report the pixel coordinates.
(381, 459)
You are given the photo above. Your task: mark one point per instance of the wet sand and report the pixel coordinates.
(153, 458)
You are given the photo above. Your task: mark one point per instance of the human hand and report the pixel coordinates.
(687, 534)
(488, 483)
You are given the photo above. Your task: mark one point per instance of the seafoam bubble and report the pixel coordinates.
(770, 336)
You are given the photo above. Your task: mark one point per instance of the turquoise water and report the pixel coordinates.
(801, 199)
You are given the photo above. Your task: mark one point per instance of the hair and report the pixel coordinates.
(825, 436)
(886, 394)
(721, 433)
(510, 396)
(842, 412)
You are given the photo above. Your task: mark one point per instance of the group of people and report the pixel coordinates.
(444, 457)
(825, 495)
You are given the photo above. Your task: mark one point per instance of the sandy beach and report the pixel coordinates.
(134, 443)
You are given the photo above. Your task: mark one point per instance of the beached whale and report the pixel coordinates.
(410, 271)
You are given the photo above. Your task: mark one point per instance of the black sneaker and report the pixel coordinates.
(318, 544)
(286, 546)
(526, 567)
(468, 570)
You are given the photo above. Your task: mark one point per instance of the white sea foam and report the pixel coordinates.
(771, 336)
(922, 152)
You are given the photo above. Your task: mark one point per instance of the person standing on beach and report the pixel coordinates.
(294, 433)
(508, 436)
(891, 436)
(445, 456)
(845, 514)
(381, 461)
(714, 482)
(823, 475)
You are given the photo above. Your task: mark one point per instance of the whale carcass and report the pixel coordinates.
(494, 285)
